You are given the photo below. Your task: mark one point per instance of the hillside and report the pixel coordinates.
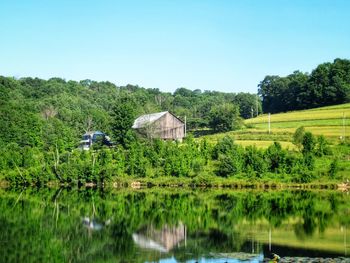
(41, 123)
(326, 121)
(45, 113)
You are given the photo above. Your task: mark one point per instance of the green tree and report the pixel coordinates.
(298, 137)
(322, 147)
(328, 84)
(333, 168)
(123, 115)
(224, 117)
(249, 104)
(227, 166)
(276, 156)
(308, 143)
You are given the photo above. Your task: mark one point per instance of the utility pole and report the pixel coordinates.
(344, 131)
(269, 123)
(185, 125)
(257, 105)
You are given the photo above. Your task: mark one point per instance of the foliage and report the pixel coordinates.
(153, 159)
(123, 114)
(322, 147)
(42, 113)
(308, 143)
(334, 168)
(224, 118)
(298, 137)
(328, 84)
(249, 104)
(41, 122)
(224, 146)
(254, 161)
(276, 157)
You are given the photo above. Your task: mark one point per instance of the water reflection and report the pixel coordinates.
(45, 225)
(162, 240)
(94, 224)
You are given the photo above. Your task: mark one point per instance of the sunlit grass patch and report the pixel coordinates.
(251, 136)
(305, 123)
(324, 113)
(265, 144)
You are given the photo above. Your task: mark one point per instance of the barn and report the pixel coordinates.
(163, 125)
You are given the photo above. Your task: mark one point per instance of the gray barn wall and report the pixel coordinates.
(167, 127)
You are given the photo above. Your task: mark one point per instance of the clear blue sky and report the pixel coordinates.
(198, 44)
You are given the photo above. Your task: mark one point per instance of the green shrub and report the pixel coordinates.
(298, 137)
(333, 169)
(253, 158)
(308, 143)
(322, 147)
(224, 146)
(276, 157)
(227, 166)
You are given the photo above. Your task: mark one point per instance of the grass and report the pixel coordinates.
(307, 123)
(265, 144)
(324, 113)
(326, 121)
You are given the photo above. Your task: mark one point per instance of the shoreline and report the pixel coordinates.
(142, 183)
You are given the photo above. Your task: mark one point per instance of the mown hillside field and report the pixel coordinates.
(332, 122)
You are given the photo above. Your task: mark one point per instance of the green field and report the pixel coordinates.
(332, 122)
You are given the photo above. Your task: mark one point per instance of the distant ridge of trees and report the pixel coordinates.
(328, 84)
(55, 112)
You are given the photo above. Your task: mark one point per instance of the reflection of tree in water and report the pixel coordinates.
(50, 222)
(121, 242)
(302, 230)
(316, 213)
(216, 240)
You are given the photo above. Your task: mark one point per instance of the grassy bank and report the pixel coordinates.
(209, 182)
(332, 122)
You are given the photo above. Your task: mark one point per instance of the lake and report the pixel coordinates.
(171, 225)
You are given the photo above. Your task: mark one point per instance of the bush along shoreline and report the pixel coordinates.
(191, 163)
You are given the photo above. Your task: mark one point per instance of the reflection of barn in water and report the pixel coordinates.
(162, 240)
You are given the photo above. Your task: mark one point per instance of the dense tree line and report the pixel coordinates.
(42, 121)
(328, 84)
(55, 113)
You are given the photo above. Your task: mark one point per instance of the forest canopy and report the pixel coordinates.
(328, 84)
(56, 112)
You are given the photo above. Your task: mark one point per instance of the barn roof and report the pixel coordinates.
(143, 120)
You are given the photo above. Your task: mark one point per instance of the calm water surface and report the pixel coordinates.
(169, 225)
